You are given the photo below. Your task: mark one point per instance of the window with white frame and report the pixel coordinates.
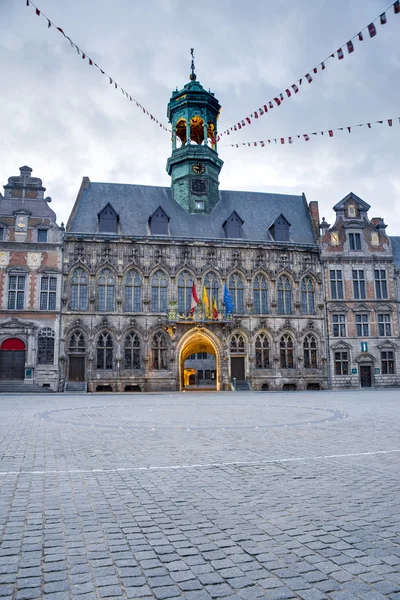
(387, 362)
(336, 281)
(385, 324)
(355, 241)
(48, 293)
(358, 284)
(380, 284)
(339, 325)
(341, 363)
(362, 325)
(16, 292)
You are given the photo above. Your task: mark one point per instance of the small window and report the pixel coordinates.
(387, 362)
(1, 233)
(362, 325)
(341, 363)
(159, 222)
(108, 220)
(42, 235)
(339, 325)
(355, 241)
(280, 229)
(336, 284)
(385, 324)
(359, 284)
(233, 226)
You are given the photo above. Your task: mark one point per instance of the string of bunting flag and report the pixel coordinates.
(307, 136)
(295, 87)
(91, 62)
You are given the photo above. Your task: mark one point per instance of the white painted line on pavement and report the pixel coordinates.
(200, 466)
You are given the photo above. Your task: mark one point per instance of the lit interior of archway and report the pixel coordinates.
(192, 369)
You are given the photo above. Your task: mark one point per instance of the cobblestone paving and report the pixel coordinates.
(200, 496)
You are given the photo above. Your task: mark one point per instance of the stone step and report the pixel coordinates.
(243, 386)
(75, 386)
(19, 387)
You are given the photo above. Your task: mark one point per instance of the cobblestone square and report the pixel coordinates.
(200, 496)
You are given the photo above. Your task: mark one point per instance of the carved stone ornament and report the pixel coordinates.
(4, 258)
(34, 259)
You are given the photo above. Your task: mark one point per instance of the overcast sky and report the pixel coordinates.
(62, 118)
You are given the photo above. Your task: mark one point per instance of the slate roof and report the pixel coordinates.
(135, 203)
(36, 206)
(396, 250)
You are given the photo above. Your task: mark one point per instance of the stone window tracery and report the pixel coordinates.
(77, 343)
(262, 351)
(132, 351)
(310, 352)
(307, 296)
(133, 292)
(159, 351)
(79, 289)
(236, 290)
(211, 282)
(237, 345)
(286, 352)
(106, 292)
(284, 295)
(260, 295)
(46, 346)
(185, 284)
(159, 285)
(105, 349)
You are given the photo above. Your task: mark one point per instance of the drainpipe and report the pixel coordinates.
(326, 332)
(60, 319)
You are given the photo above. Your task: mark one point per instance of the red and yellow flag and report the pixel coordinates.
(215, 309)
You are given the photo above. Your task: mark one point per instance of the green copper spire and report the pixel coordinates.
(194, 165)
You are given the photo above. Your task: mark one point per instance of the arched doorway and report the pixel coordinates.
(12, 359)
(199, 361)
(76, 357)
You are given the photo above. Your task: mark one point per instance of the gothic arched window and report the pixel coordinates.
(211, 282)
(106, 291)
(237, 344)
(310, 352)
(262, 351)
(286, 352)
(307, 296)
(185, 284)
(105, 351)
(133, 292)
(132, 351)
(159, 292)
(260, 295)
(159, 351)
(46, 346)
(236, 292)
(284, 296)
(77, 344)
(79, 289)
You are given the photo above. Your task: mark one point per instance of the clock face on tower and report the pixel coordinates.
(198, 168)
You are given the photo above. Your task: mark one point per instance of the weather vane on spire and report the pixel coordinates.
(192, 74)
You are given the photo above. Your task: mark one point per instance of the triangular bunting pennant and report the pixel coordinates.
(38, 12)
(360, 36)
(270, 104)
(248, 120)
(323, 66)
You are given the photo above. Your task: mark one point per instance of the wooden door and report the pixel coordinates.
(365, 376)
(237, 367)
(76, 368)
(12, 364)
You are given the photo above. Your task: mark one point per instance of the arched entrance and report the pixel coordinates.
(205, 348)
(12, 359)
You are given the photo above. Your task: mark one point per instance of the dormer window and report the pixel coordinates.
(42, 235)
(158, 222)
(108, 220)
(280, 229)
(355, 241)
(233, 226)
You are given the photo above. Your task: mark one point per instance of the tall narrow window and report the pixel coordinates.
(355, 241)
(358, 284)
(106, 292)
(42, 235)
(79, 290)
(16, 292)
(387, 362)
(262, 351)
(211, 282)
(48, 290)
(310, 352)
(380, 284)
(1, 233)
(341, 363)
(362, 325)
(105, 351)
(132, 351)
(159, 292)
(77, 344)
(385, 324)
(46, 346)
(185, 284)
(236, 289)
(336, 281)
(237, 344)
(260, 295)
(284, 296)
(286, 352)
(159, 351)
(339, 325)
(307, 296)
(133, 292)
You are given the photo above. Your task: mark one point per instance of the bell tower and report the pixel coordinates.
(194, 164)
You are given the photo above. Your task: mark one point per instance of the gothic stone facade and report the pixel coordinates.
(362, 308)
(30, 283)
(117, 302)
